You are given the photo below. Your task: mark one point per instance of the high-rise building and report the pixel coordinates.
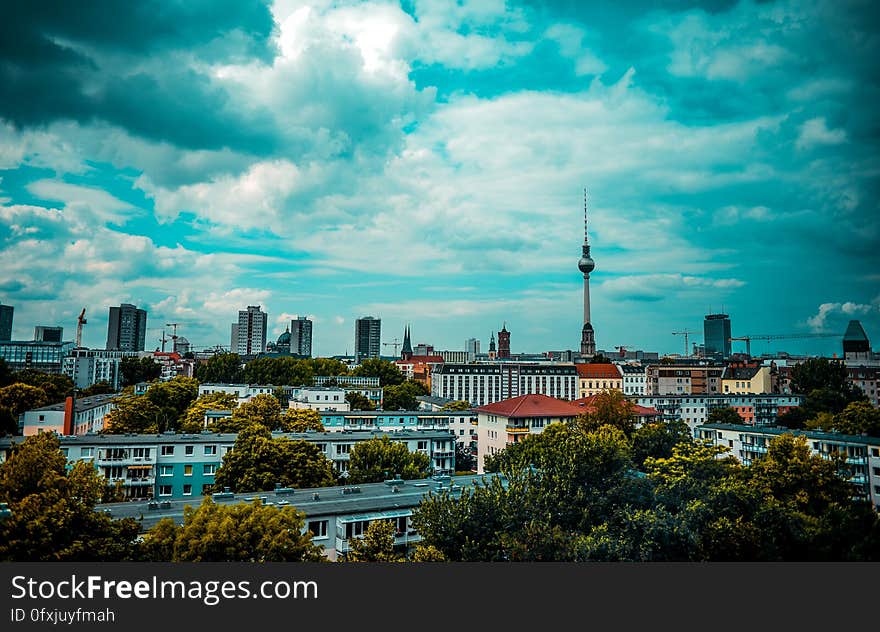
(504, 342)
(249, 333)
(48, 334)
(367, 338)
(856, 346)
(587, 265)
(6, 312)
(716, 336)
(301, 336)
(127, 328)
(472, 346)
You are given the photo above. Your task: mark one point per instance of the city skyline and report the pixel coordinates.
(435, 178)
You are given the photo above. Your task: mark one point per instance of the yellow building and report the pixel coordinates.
(755, 380)
(595, 378)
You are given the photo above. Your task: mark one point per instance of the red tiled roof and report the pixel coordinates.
(534, 405)
(428, 359)
(586, 404)
(597, 371)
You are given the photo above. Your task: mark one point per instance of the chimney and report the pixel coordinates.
(68, 416)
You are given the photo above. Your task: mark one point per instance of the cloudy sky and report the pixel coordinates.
(424, 162)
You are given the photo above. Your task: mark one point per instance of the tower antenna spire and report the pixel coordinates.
(585, 214)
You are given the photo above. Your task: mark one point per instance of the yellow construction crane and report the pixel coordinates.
(685, 333)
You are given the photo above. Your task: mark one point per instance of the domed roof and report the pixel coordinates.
(284, 339)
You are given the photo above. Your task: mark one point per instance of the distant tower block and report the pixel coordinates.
(587, 265)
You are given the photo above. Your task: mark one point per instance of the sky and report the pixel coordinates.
(425, 163)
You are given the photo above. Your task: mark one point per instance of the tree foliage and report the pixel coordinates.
(262, 409)
(302, 420)
(376, 545)
(56, 386)
(53, 509)
(609, 408)
(223, 368)
(243, 532)
(135, 370)
(259, 462)
(19, 398)
(457, 406)
(724, 415)
(193, 419)
(403, 396)
(98, 388)
(826, 386)
(379, 458)
(359, 401)
(385, 370)
(161, 409)
(656, 440)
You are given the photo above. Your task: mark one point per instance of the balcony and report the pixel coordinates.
(125, 459)
(439, 454)
(517, 429)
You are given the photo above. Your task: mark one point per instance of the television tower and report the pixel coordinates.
(587, 265)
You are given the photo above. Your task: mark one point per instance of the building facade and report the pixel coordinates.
(322, 398)
(716, 336)
(747, 379)
(759, 410)
(126, 328)
(867, 379)
(301, 336)
(90, 366)
(43, 333)
(595, 378)
(635, 379)
(683, 379)
(70, 417)
(6, 314)
(486, 383)
(367, 338)
(47, 357)
(249, 333)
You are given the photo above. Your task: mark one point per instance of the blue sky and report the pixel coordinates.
(424, 162)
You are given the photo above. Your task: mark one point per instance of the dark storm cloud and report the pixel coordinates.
(70, 60)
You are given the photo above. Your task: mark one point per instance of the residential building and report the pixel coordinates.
(249, 333)
(173, 465)
(635, 379)
(456, 357)
(126, 328)
(43, 333)
(509, 421)
(867, 379)
(485, 383)
(31, 354)
(244, 392)
(301, 336)
(683, 378)
(330, 398)
(70, 417)
(90, 366)
(472, 347)
(367, 338)
(642, 414)
(598, 377)
(759, 410)
(419, 367)
(6, 314)
(334, 515)
(362, 385)
(747, 379)
(748, 443)
(716, 336)
(173, 364)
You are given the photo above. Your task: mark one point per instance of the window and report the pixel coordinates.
(461, 432)
(64, 451)
(875, 451)
(188, 450)
(87, 453)
(167, 450)
(164, 490)
(187, 490)
(876, 471)
(187, 470)
(210, 450)
(318, 528)
(209, 469)
(343, 448)
(166, 470)
(422, 445)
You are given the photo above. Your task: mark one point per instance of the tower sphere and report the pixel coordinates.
(586, 264)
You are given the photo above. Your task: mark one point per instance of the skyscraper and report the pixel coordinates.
(504, 342)
(126, 328)
(249, 333)
(301, 336)
(716, 336)
(472, 346)
(6, 312)
(856, 346)
(587, 265)
(367, 338)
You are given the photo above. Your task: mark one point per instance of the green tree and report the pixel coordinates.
(457, 406)
(173, 398)
(258, 462)
(385, 370)
(8, 422)
(858, 418)
(223, 368)
(5, 373)
(656, 440)
(261, 409)
(403, 396)
(609, 408)
(21, 397)
(57, 387)
(98, 388)
(376, 459)
(193, 419)
(376, 545)
(53, 508)
(136, 370)
(825, 384)
(136, 414)
(301, 420)
(283, 371)
(724, 415)
(359, 401)
(465, 460)
(244, 532)
(328, 366)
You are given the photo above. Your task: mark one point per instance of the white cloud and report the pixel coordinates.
(826, 311)
(815, 132)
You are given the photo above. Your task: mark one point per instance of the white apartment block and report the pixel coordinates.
(486, 383)
(760, 410)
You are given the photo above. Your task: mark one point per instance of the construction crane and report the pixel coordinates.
(80, 321)
(748, 339)
(173, 336)
(394, 343)
(685, 333)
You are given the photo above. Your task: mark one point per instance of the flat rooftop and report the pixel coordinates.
(82, 404)
(810, 434)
